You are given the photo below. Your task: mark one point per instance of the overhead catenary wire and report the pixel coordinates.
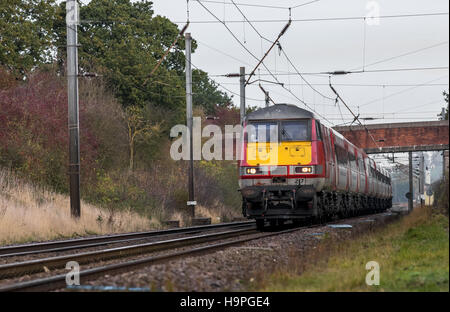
(398, 56)
(401, 92)
(248, 51)
(262, 60)
(394, 113)
(232, 34)
(303, 4)
(260, 5)
(325, 74)
(227, 55)
(396, 118)
(245, 4)
(421, 105)
(356, 117)
(223, 53)
(323, 19)
(232, 92)
(301, 76)
(399, 85)
(168, 50)
(251, 25)
(283, 31)
(343, 72)
(229, 30)
(221, 85)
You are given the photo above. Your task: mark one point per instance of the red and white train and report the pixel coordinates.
(294, 167)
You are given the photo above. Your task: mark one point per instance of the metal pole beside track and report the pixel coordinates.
(422, 178)
(189, 117)
(242, 108)
(72, 20)
(411, 183)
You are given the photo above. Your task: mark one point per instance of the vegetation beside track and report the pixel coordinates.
(125, 118)
(413, 254)
(30, 213)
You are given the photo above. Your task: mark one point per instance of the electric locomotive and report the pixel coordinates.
(293, 167)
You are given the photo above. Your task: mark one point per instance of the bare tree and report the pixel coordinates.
(138, 129)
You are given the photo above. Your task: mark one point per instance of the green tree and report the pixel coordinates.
(207, 94)
(26, 34)
(123, 40)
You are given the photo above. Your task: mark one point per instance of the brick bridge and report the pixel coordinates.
(399, 137)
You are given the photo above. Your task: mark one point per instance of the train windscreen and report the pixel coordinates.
(295, 131)
(262, 132)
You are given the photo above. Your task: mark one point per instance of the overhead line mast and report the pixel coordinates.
(72, 20)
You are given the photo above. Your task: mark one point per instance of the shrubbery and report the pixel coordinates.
(33, 131)
(34, 143)
(125, 116)
(441, 195)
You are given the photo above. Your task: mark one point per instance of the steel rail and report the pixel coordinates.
(34, 248)
(41, 265)
(59, 281)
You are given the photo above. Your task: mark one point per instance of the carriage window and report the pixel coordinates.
(361, 164)
(295, 131)
(341, 154)
(262, 132)
(352, 159)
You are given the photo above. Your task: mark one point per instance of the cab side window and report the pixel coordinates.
(318, 131)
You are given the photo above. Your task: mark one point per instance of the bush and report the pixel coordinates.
(442, 201)
(34, 140)
(34, 132)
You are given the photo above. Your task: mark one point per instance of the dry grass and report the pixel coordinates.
(218, 214)
(29, 213)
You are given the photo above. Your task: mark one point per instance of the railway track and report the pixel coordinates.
(41, 265)
(187, 245)
(59, 281)
(64, 245)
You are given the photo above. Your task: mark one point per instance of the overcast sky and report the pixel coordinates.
(319, 46)
(323, 46)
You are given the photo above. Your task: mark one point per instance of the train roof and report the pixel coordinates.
(279, 111)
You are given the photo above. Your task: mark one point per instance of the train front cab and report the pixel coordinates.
(279, 178)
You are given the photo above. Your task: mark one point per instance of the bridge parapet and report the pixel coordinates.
(399, 137)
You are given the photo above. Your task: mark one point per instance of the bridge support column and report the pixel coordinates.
(411, 183)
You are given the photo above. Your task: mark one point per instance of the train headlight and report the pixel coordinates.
(304, 170)
(251, 171)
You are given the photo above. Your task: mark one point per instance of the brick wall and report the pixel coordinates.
(401, 135)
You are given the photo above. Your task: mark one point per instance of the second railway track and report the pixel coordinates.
(40, 265)
(59, 281)
(173, 249)
(80, 243)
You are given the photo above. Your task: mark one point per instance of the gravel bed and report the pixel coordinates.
(235, 268)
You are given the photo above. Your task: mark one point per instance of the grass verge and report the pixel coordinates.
(413, 254)
(29, 213)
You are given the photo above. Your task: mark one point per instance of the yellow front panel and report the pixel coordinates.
(281, 154)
